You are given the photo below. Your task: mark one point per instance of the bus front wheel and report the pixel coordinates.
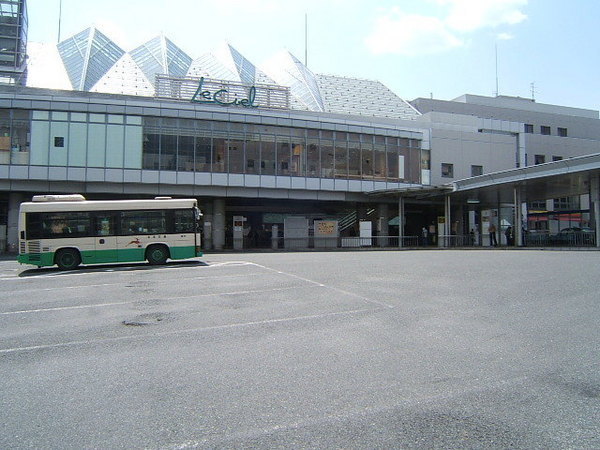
(157, 254)
(67, 259)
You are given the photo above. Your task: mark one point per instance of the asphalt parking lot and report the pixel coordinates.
(407, 349)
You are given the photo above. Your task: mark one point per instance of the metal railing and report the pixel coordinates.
(538, 239)
(561, 239)
(317, 242)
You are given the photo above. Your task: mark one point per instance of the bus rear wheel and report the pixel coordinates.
(67, 259)
(157, 254)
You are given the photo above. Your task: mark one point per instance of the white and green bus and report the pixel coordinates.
(68, 230)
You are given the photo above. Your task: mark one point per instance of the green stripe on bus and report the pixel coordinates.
(107, 256)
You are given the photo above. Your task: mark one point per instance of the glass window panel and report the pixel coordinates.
(313, 157)
(267, 154)
(151, 148)
(367, 160)
(143, 222)
(184, 221)
(203, 153)
(219, 156)
(133, 120)
(185, 153)
(298, 157)
(412, 165)
(96, 147)
(236, 154)
(425, 160)
(326, 158)
(252, 154)
(168, 151)
(283, 156)
(115, 145)
(341, 158)
(133, 144)
(379, 162)
(58, 225)
(393, 160)
(59, 115)
(353, 159)
(78, 142)
(99, 118)
(78, 117)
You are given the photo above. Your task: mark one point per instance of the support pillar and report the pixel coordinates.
(218, 223)
(383, 228)
(12, 227)
(595, 203)
(445, 228)
(400, 221)
(208, 220)
(518, 225)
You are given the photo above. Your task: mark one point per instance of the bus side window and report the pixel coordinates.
(104, 226)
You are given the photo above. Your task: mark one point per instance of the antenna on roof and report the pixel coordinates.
(497, 89)
(533, 91)
(306, 39)
(59, 18)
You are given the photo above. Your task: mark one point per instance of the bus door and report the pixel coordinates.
(106, 250)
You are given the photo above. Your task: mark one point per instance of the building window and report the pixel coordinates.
(447, 170)
(59, 141)
(540, 159)
(557, 158)
(528, 128)
(476, 171)
(562, 132)
(539, 205)
(546, 130)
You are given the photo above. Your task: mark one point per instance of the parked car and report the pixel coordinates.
(575, 236)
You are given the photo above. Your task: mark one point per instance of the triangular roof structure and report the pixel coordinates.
(160, 55)
(226, 63)
(126, 78)
(87, 56)
(287, 70)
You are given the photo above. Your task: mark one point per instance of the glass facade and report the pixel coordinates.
(95, 140)
(14, 136)
(227, 147)
(13, 41)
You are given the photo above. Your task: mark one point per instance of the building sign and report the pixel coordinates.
(219, 97)
(226, 93)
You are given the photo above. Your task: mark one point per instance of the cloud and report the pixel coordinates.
(397, 32)
(505, 36)
(471, 15)
(410, 34)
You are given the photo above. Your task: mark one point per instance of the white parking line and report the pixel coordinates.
(188, 330)
(61, 308)
(85, 286)
(368, 300)
(99, 305)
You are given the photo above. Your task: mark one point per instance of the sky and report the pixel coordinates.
(545, 49)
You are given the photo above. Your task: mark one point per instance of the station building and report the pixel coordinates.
(267, 151)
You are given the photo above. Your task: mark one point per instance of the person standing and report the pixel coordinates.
(509, 236)
(424, 236)
(492, 231)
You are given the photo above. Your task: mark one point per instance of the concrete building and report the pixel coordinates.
(273, 152)
(475, 135)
